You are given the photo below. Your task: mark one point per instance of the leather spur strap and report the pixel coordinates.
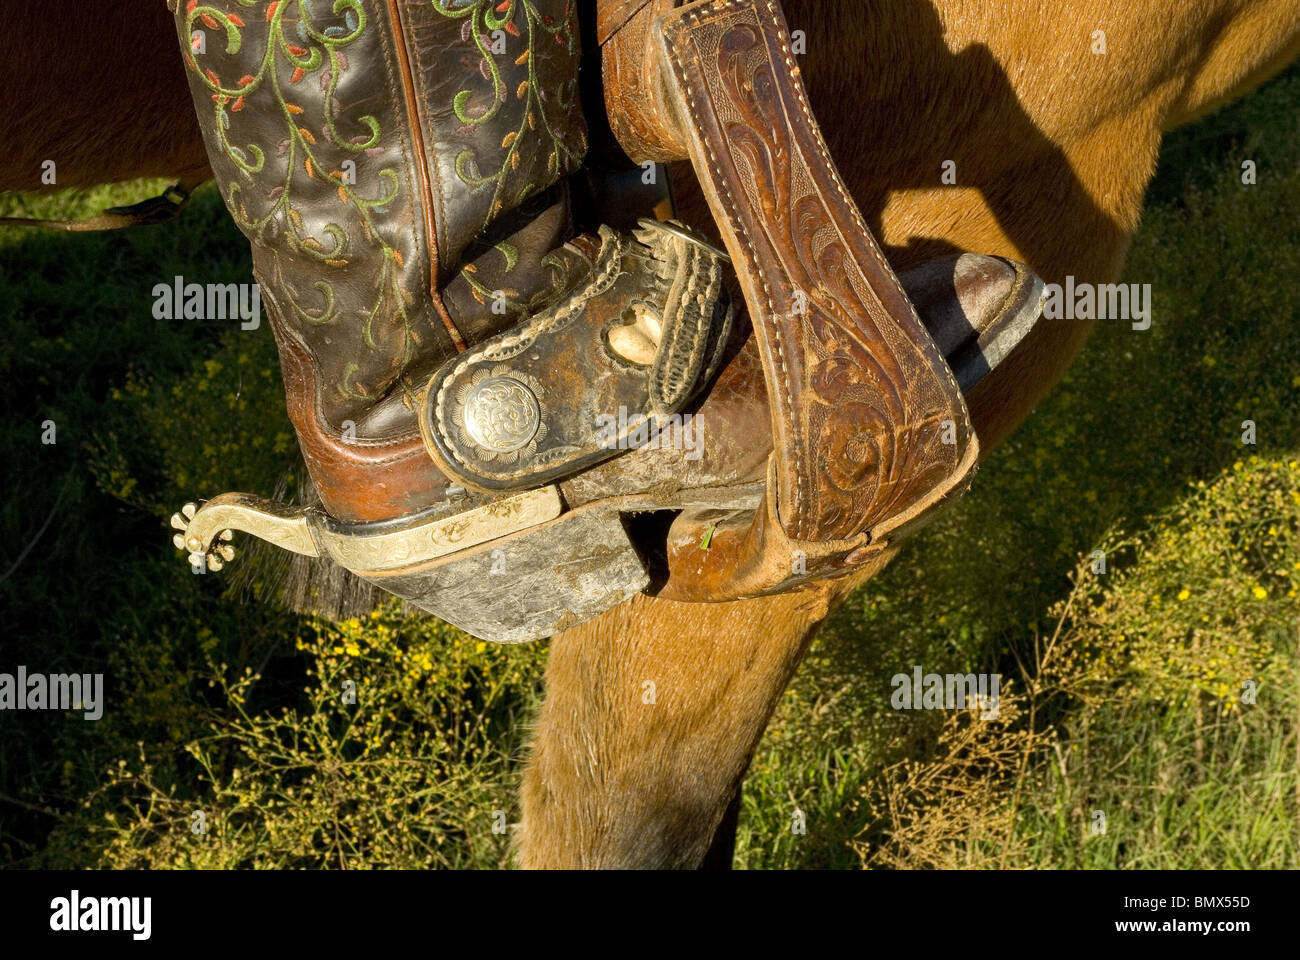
(869, 427)
(574, 384)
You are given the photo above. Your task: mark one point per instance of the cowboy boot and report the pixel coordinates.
(398, 168)
(346, 138)
(479, 408)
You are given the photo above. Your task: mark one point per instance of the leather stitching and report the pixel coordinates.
(793, 439)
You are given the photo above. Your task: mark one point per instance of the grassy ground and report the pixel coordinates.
(1125, 740)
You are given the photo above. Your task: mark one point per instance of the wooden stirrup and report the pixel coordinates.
(869, 428)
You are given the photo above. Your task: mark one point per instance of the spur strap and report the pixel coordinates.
(594, 375)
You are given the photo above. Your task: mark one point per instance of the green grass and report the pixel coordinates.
(220, 695)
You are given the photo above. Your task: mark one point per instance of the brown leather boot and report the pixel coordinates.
(399, 168)
(482, 404)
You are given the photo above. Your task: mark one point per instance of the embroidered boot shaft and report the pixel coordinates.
(396, 167)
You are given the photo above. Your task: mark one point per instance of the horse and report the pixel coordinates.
(957, 126)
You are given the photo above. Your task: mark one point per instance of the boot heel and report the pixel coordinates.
(509, 570)
(531, 584)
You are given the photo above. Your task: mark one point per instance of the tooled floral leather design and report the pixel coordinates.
(869, 426)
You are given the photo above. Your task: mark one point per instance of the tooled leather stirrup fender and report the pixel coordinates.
(870, 430)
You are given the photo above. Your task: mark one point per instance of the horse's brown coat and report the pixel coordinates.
(1054, 146)
(97, 88)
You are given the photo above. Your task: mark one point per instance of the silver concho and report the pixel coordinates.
(501, 414)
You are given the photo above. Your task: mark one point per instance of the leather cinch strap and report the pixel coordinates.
(164, 208)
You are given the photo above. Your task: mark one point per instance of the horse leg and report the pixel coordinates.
(722, 849)
(652, 714)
